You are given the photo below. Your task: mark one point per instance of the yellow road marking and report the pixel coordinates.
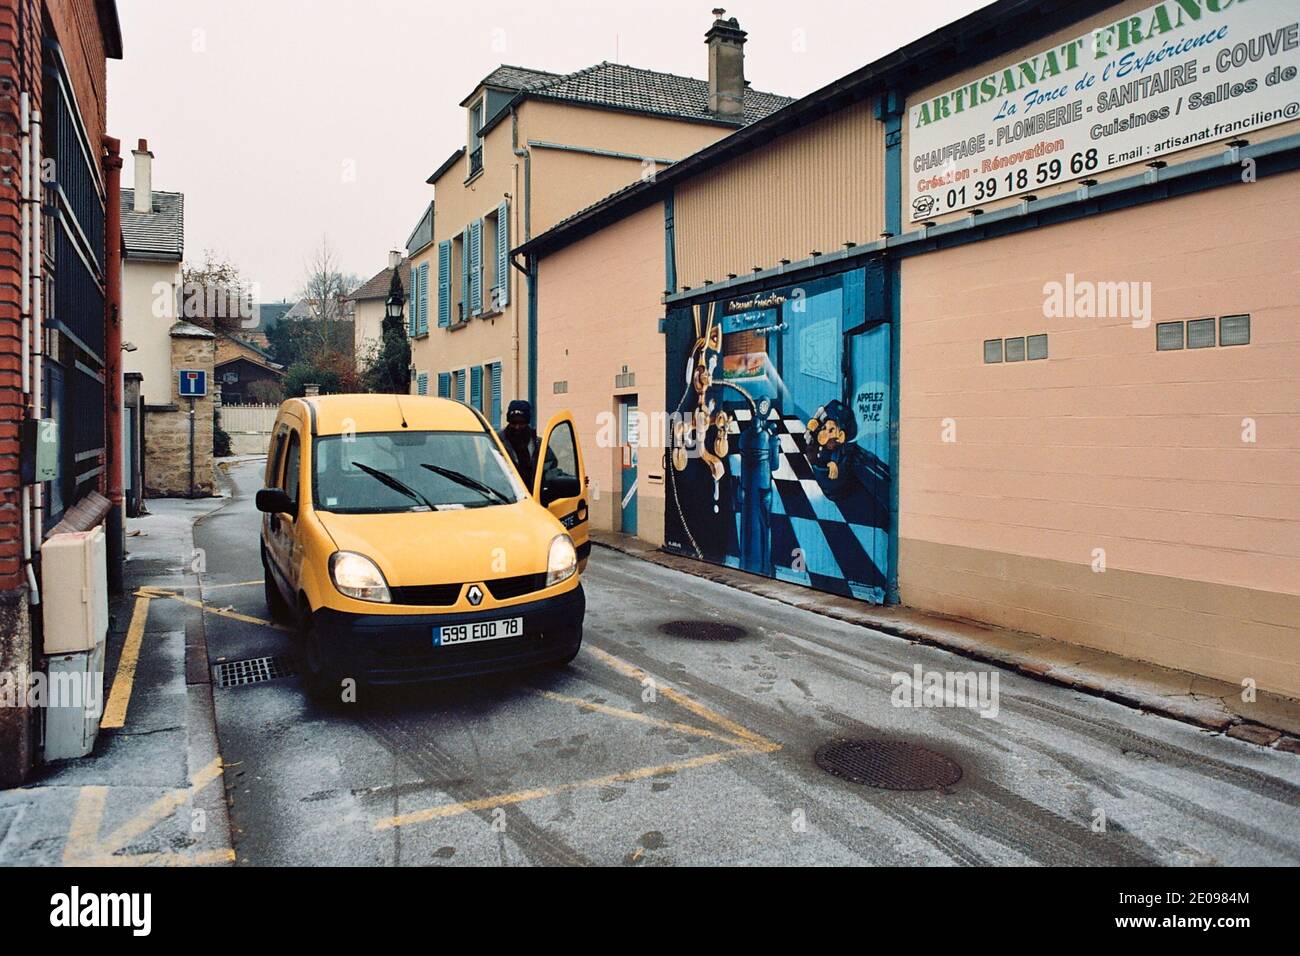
(753, 740)
(208, 609)
(84, 847)
(203, 858)
(178, 588)
(644, 718)
(84, 831)
(160, 810)
(748, 742)
(537, 793)
(120, 696)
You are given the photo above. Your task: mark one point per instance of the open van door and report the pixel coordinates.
(561, 482)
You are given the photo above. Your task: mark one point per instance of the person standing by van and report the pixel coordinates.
(521, 439)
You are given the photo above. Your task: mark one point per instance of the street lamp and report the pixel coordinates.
(396, 298)
(393, 317)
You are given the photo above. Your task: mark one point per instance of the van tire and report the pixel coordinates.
(276, 605)
(320, 684)
(569, 658)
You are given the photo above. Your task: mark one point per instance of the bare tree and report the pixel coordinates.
(326, 285)
(215, 295)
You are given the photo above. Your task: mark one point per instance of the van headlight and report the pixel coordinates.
(358, 577)
(562, 561)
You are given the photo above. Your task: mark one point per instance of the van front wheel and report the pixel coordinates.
(318, 680)
(275, 602)
(569, 658)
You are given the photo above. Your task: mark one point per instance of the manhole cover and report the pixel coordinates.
(251, 671)
(888, 764)
(703, 630)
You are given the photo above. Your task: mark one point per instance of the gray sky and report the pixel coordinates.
(284, 121)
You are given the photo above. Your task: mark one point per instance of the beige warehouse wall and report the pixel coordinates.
(1078, 29)
(1110, 444)
(815, 188)
(150, 333)
(565, 181)
(598, 310)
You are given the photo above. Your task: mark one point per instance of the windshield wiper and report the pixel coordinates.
(396, 484)
(462, 479)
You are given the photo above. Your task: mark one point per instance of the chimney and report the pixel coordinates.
(143, 177)
(726, 42)
(394, 258)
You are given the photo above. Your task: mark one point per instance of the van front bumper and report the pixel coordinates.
(399, 649)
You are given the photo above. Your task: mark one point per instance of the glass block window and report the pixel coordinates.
(992, 351)
(1201, 334)
(1169, 336)
(1036, 346)
(1015, 350)
(1234, 330)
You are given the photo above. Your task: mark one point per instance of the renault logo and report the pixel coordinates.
(475, 595)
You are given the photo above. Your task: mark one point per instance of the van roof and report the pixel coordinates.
(336, 414)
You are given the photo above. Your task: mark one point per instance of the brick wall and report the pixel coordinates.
(19, 69)
(75, 25)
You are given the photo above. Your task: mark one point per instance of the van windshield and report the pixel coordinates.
(411, 471)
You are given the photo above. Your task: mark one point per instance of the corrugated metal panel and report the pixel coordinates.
(813, 189)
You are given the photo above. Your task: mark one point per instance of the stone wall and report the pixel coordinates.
(167, 428)
(15, 719)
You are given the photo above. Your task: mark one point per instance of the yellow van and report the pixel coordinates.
(401, 541)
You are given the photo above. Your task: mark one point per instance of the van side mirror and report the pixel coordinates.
(276, 501)
(560, 486)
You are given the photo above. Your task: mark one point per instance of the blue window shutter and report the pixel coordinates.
(503, 253)
(464, 274)
(495, 370)
(424, 298)
(412, 298)
(460, 385)
(476, 387)
(476, 265)
(444, 385)
(444, 283)
(422, 384)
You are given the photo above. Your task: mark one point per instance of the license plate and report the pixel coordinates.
(480, 631)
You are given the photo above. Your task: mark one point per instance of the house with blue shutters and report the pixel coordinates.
(538, 147)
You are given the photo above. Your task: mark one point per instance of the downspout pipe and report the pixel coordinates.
(529, 279)
(113, 360)
(38, 326)
(25, 200)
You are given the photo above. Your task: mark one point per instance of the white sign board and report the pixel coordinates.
(1181, 74)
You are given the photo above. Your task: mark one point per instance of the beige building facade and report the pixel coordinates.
(1021, 328)
(539, 147)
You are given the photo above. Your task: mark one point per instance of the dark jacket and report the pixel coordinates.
(525, 463)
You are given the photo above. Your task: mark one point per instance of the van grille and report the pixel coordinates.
(428, 595)
(445, 595)
(504, 588)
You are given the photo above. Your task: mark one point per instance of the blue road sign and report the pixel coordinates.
(193, 383)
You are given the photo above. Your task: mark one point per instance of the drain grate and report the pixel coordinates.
(888, 765)
(703, 630)
(254, 670)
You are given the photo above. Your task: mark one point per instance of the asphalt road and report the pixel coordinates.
(653, 750)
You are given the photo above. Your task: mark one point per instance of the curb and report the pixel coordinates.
(1228, 724)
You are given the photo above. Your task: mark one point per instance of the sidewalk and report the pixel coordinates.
(151, 793)
(1271, 721)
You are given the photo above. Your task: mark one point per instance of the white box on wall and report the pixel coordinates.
(74, 591)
